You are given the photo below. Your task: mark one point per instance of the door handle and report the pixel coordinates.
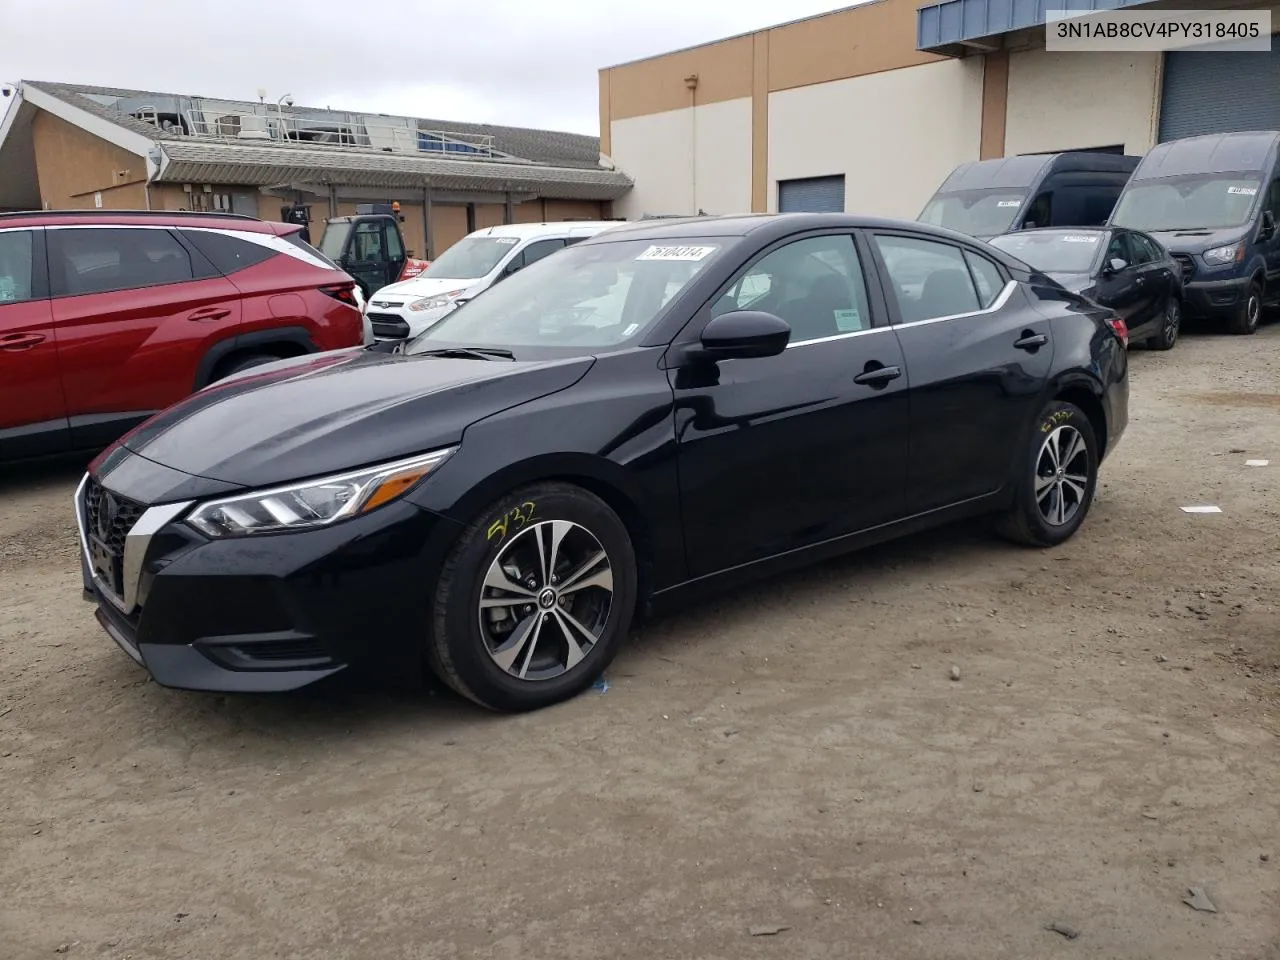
(21, 341)
(1031, 341)
(210, 313)
(877, 375)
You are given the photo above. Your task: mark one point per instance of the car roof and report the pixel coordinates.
(766, 226)
(534, 231)
(1095, 229)
(172, 218)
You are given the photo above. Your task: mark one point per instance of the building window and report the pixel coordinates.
(434, 143)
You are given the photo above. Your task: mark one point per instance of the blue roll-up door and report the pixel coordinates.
(1219, 92)
(811, 195)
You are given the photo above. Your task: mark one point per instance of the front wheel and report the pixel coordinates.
(1244, 321)
(1057, 478)
(535, 599)
(1170, 321)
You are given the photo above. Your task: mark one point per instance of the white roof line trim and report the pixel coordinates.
(97, 126)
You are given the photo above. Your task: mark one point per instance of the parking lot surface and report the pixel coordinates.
(789, 770)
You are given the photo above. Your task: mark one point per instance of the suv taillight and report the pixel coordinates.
(1119, 329)
(342, 291)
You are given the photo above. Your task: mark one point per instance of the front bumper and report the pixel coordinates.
(401, 323)
(272, 612)
(1214, 298)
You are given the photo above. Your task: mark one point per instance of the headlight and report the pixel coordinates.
(1228, 254)
(313, 503)
(436, 302)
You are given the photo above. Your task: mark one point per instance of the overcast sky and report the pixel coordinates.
(487, 61)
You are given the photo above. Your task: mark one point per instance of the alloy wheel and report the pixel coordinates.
(545, 600)
(1172, 316)
(1062, 475)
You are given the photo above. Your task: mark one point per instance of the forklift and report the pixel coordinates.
(369, 246)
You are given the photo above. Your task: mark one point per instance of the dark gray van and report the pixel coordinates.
(1214, 202)
(989, 197)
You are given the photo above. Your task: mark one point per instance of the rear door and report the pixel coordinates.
(33, 413)
(135, 311)
(977, 358)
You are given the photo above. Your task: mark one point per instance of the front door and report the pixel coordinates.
(978, 360)
(1118, 288)
(1155, 281)
(33, 412)
(781, 452)
(374, 256)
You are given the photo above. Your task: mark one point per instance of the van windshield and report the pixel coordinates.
(470, 258)
(1053, 251)
(1207, 201)
(979, 213)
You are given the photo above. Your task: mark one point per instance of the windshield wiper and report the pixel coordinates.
(468, 353)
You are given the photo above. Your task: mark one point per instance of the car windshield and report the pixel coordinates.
(470, 258)
(1055, 251)
(979, 213)
(1194, 202)
(588, 298)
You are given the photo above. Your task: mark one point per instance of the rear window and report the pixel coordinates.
(296, 239)
(228, 253)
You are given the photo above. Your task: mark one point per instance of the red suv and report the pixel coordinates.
(108, 316)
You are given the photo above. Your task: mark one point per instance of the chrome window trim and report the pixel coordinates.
(136, 542)
(998, 303)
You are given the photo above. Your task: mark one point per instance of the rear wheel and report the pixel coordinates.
(1057, 479)
(534, 600)
(1170, 322)
(1244, 320)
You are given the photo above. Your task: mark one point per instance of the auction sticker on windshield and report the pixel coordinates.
(1243, 191)
(1009, 203)
(676, 253)
(1080, 239)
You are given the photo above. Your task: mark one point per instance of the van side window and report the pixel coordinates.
(1040, 212)
(539, 249)
(1273, 201)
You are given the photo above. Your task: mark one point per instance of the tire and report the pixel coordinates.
(1170, 325)
(1033, 520)
(482, 652)
(244, 363)
(1244, 321)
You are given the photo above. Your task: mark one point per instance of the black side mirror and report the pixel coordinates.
(1268, 229)
(742, 334)
(1114, 266)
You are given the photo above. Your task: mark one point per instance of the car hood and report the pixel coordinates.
(336, 411)
(1075, 282)
(417, 287)
(1198, 241)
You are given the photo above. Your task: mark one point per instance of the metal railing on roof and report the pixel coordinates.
(335, 130)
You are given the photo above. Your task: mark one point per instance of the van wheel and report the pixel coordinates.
(1245, 320)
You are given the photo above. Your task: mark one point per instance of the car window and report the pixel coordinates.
(98, 260)
(1118, 249)
(395, 249)
(228, 254)
(986, 277)
(815, 284)
(1144, 249)
(15, 266)
(539, 249)
(1273, 200)
(929, 279)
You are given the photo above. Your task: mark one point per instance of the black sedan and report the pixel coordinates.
(671, 406)
(1123, 270)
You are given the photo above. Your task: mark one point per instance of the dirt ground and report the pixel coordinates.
(795, 755)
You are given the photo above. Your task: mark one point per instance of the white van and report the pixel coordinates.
(467, 269)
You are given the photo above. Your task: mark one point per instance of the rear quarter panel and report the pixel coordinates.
(284, 291)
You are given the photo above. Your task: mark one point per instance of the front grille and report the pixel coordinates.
(388, 325)
(109, 517)
(1186, 264)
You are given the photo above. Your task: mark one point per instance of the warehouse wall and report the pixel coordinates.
(686, 160)
(1066, 101)
(72, 165)
(894, 135)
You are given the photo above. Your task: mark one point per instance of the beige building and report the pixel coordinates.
(75, 147)
(867, 109)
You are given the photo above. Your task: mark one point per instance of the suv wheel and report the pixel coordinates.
(534, 600)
